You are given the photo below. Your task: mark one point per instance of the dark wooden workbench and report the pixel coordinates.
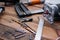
(48, 32)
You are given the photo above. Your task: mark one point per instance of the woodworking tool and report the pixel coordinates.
(22, 8)
(1, 9)
(27, 11)
(23, 11)
(17, 34)
(25, 26)
(52, 12)
(26, 19)
(19, 11)
(38, 35)
(33, 2)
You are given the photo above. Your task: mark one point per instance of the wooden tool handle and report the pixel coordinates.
(35, 1)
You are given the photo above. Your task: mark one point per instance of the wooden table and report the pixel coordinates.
(48, 32)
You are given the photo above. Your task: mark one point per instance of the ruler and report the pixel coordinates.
(39, 29)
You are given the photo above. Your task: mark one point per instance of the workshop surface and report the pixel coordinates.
(6, 18)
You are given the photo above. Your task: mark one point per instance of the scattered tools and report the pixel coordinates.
(25, 26)
(52, 12)
(23, 11)
(19, 19)
(10, 33)
(17, 36)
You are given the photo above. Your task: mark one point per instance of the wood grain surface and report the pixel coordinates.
(9, 14)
